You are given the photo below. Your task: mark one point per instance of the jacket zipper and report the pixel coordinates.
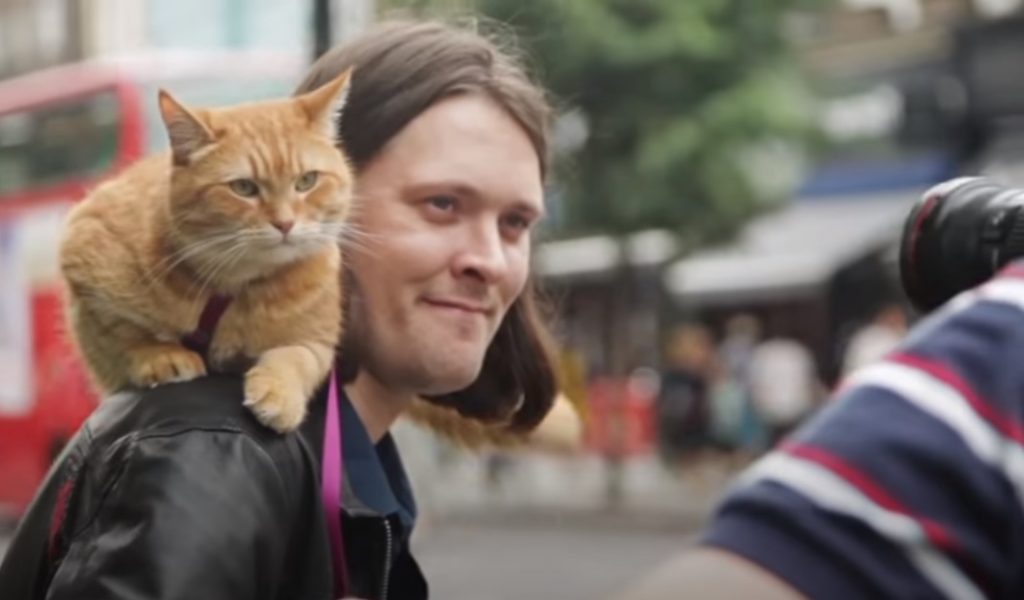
(387, 559)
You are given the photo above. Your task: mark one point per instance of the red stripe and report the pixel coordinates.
(1002, 423)
(926, 211)
(938, 535)
(1014, 270)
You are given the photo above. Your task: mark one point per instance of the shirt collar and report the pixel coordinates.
(375, 479)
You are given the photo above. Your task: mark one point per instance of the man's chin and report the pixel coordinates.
(450, 383)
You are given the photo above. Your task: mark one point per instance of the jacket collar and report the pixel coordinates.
(374, 482)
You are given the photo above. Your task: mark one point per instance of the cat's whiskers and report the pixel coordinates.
(223, 262)
(355, 204)
(208, 246)
(353, 238)
(339, 238)
(189, 251)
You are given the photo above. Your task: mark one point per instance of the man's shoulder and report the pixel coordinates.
(188, 433)
(207, 407)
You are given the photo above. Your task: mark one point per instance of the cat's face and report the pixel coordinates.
(265, 181)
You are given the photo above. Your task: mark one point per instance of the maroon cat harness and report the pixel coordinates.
(199, 340)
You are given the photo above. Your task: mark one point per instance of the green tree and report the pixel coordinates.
(428, 8)
(692, 106)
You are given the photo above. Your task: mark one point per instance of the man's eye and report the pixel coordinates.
(246, 188)
(518, 222)
(443, 203)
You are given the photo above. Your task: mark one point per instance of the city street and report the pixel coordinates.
(518, 559)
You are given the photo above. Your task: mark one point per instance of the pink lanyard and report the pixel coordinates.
(199, 341)
(331, 466)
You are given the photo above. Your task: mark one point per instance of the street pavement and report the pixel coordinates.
(520, 560)
(528, 558)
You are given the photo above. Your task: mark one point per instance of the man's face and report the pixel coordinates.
(445, 212)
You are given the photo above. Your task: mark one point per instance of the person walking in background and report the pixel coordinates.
(682, 406)
(875, 339)
(735, 423)
(783, 385)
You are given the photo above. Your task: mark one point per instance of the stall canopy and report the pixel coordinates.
(792, 251)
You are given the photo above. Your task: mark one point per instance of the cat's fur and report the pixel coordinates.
(144, 252)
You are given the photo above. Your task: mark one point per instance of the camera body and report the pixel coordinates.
(957, 236)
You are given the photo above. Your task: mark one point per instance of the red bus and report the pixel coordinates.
(62, 130)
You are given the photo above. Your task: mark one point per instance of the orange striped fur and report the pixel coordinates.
(143, 253)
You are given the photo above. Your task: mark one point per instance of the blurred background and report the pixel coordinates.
(731, 178)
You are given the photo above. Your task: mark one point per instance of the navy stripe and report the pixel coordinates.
(928, 468)
(822, 554)
(984, 346)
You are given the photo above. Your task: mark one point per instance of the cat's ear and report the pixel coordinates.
(186, 131)
(323, 105)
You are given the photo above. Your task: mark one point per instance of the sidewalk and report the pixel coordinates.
(539, 490)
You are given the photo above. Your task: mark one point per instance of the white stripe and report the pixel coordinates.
(832, 493)
(945, 404)
(1008, 290)
(1004, 290)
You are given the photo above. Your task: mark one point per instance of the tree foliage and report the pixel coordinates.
(695, 108)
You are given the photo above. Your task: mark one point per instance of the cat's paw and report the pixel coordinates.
(154, 365)
(276, 399)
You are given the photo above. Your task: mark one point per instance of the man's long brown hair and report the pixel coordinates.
(401, 69)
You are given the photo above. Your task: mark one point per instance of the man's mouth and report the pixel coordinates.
(459, 304)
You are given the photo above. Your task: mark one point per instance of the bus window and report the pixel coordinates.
(52, 144)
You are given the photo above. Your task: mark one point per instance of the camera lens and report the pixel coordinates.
(957, 236)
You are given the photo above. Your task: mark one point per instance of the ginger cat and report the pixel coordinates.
(250, 203)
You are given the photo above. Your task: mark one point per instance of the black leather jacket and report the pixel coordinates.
(179, 493)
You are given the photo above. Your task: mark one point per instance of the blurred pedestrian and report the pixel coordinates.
(877, 338)
(783, 385)
(681, 408)
(736, 424)
(742, 334)
(176, 492)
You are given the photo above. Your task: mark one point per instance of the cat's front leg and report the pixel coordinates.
(154, 364)
(279, 386)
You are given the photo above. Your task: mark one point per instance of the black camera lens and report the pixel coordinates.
(957, 236)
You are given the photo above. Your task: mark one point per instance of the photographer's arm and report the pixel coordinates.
(909, 484)
(710, 574)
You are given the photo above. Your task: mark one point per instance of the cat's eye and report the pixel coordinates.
(247, 188)
(306, 181)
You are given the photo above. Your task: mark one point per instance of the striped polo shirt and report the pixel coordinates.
(910, 482)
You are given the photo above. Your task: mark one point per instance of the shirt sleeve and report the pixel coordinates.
(910, 484)
(196, 515)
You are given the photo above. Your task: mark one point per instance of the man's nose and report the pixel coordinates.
(482, 255)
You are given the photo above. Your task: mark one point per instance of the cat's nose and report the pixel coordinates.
(283, 226)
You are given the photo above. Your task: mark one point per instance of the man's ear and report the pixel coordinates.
(186, 131)
(323, 105)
